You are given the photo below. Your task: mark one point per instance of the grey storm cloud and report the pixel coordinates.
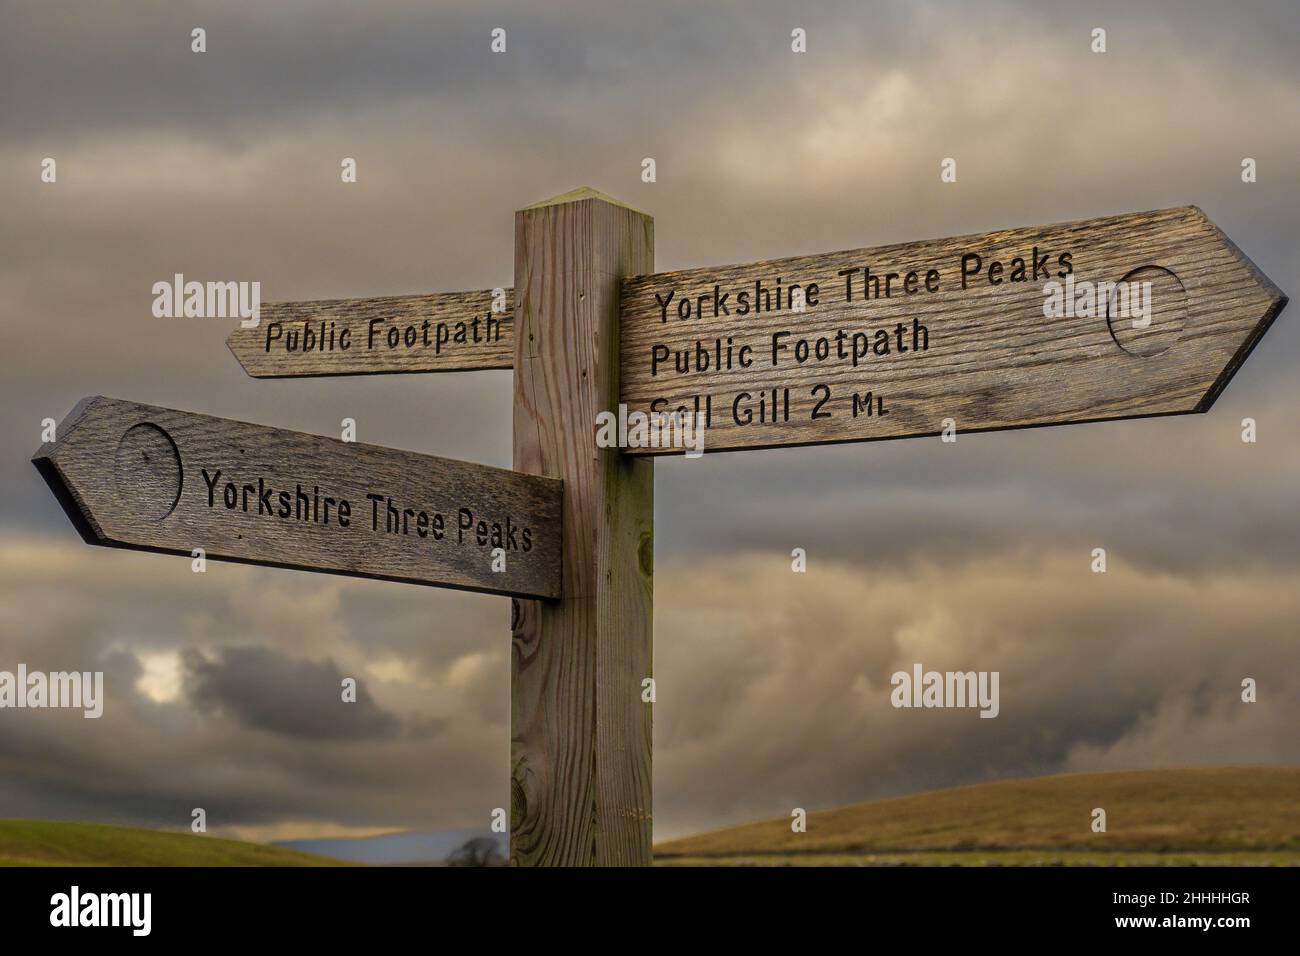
(293, 698)
(772, 687)
(1133, 668)
(220, 693)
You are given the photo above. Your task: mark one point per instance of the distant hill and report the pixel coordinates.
(1213, 816)
(395, 849)
(59, 843)
(1208, 817)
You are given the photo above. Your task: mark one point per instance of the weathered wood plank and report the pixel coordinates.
(983, 355)
(581, 734)
(157, 479)
(438, 332)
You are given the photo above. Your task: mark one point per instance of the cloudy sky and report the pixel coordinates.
(772, 687)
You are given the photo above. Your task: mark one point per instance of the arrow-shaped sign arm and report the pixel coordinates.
(157, 479)
(1118, 317)
(436, 332)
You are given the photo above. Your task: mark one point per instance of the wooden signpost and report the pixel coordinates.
(1120, 317)
(156, 479)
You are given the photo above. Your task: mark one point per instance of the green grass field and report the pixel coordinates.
(1232, 816)
(1213, 817)
(57, 843)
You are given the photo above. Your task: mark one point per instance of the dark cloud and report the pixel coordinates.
(253, 731)
(293, 698)
(1181, 495)
(773, 687)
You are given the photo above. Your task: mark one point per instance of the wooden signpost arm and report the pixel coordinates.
(434, 332)
(580, 731)
(1101, 319)
(159, 479)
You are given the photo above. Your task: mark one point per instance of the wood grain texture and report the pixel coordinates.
(133, 476)
(581, 735)
(438, 332)
(993, 360)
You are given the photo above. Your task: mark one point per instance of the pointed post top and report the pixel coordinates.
(578, 195)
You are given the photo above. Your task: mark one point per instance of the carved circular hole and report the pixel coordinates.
(1147, 311)
(147, 472)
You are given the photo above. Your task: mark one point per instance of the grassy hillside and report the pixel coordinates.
(56, 843)
(1183, 817)
(1214, 816)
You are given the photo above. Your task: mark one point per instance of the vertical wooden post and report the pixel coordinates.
(580, 733)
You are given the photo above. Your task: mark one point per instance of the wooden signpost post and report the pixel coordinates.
(1121, 317)
(580, 725)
